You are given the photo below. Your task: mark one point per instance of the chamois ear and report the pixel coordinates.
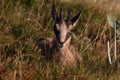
(75, 19)
(53, 12)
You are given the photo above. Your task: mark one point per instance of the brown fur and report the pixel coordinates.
(66, 56)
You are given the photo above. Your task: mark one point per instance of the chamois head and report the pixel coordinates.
(63, 27)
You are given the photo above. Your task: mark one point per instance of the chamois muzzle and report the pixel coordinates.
(60, 45)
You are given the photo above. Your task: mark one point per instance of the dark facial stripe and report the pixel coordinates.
(57, 33)
(67, 37)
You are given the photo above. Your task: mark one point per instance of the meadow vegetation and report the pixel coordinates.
(22, 22)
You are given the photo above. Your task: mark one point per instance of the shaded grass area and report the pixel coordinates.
(23, 22)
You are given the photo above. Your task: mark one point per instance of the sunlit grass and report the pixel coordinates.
(23, 22)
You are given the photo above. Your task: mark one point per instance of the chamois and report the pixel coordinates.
(59, 48)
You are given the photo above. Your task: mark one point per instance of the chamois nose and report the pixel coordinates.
(61, 44)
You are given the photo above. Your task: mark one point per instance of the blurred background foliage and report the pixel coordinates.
(22, 22)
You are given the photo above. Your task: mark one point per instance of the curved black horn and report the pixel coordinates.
(69, 15)
(61, 13)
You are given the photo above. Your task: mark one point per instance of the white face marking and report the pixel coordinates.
(63, 32)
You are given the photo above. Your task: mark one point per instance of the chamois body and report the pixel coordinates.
(65, 56)
(58, 48)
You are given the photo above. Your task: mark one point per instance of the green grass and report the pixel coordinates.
(22, 22)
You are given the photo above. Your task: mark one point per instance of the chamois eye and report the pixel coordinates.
(57, 32)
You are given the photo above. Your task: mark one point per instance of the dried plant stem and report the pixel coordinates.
(109, 58)
(115, 48)
(14, 76)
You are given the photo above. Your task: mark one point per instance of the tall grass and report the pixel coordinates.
(22, 22)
